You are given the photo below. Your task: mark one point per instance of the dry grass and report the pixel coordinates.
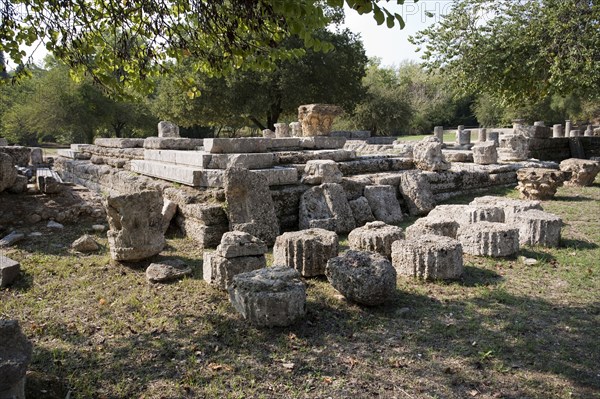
(505, 331)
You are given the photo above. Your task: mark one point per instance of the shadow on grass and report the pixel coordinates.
(577, 244)
(536, 253)
(572, 198)
(475, 276)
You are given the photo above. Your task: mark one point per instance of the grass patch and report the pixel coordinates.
(505, 330)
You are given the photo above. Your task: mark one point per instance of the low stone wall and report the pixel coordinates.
(591, 146)
(552, 149)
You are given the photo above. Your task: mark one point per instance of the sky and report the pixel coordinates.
(391, 45)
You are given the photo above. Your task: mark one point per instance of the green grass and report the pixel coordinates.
(505, 330)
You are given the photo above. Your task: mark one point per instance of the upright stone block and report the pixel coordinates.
(282, 130)
(15, 356)
(220, 271)
(326, 207)
(9, 271)
(307, 251)
(428, 257)
(567, 128)
(167, 129)
(438, 133)
(489, 239)
(384, 204)
(557, 131)
(510, 207)
(495, 137)
(321, 171)
(316, 119)
(463, 137)
(513, 147)
(296, 129)
(37, 156)
(485, 153)
(8, 172)
(427, 155)
(375, 237)
(482, 135)
(416, 191)
(361, 211)
(432, 226)
(538, 228)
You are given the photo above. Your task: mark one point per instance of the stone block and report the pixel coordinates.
(236, 146)
(119, 142)
(458, 155)
(316, 119)
(416, 191)
(384, 204)
(19, 154)
(15, 356)
(583, 172)
(167, 270)
(167, 129)
(322, 143)
(8, 172)
(172, 143)
(485, 153)
(432, 226)
(11, 239)
(538, 228)
(321, 171)
(9, 271)
(537, 131)
(366, 278)
(510, 207)
(489, 239)
(170, 172)
(361, 211)
(270, 297)
(326, 207)
(219, 271)
(364, 165)
(375, 237)
(247, 161)
(513, 147)
(307, 251)
(427, 155)
(235, 244)
(197, 159)
(428, 257)
(539, 183)
(282, 130)
(207, 236)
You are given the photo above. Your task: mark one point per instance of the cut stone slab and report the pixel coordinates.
(167, 129)
(206, 213)
(366, 278)
(307, 251)
(510, 207)
(85, 243)
(235, 244)
(11, 239)
(384, 203)
(219, 271)
(485, 153)
(250, 206)
(9, 271)
(433, 226)
(321, 143)
(375, 237)
(207, 236)
(196, 159)
(167, 270)
(248, 161)
(172, 143)
(538, 228)
(428, 257)
(539, 183)
(321, 171)
(489, 239)
(361, 211)
(15, 356)
(326, 207)
(583, 172)
(72, 154)
(416, 191)
(175, 173)
(269, 297)
(236, 146)
(458, 155)
(536, 131)
(119, 143)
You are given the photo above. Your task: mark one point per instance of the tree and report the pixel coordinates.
(125, 43)
(519, 51)
(262, 97)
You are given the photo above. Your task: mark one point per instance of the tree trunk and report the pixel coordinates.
(257, 123)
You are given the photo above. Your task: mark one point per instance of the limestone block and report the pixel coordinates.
(85, 243)
(416, 191)
(170, 172)
(135, 222)
(485, 153)
(9, 271)
(247, 161)
(20, 155)
(15, 356)
(326, 207)
(463, 137)
(510, 207)
(169, 210)
(321, 171)
(427, 155)
(539, 183)
(366, 278)
(235, 244)
(316, 119)
(282, 130)
(207, 236)
(489, 239)
(583, 172)
(172, 143)
(513, 147)
(428, 257)
(432, 226)
(538, 228)
(354, 186)
(482, 135)
(236, 146)
(8, 172)
(296, 129)
(11, 239)
(167, 270)
(119, 142)
(458, 155)
(361, 211)
(438, 133)
(36, 156)
(307, 251)
(167, 129)
(557, 131)
(269, 297)
(250, 207)
(206, 213)
(495, 137)
(384, 204)
(483, 213)
(268, 134)
(536, 131)
(374, 165)
(375, 237)
(219, 271)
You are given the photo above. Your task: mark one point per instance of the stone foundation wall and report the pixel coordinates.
(591, 146)
(553, 149)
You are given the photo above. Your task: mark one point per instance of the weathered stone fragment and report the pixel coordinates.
(433, 226)
(307, 251)
(172, 143)
(375, 237)
(11, 239)
(463, 137)
(19, 154)
(366, 278)
(485, 153)
(9, 271)
(167, 129)
(207, 236)
(384, 204)
(8, 173)
(316, 119)
(269, 297)
(36, 156)
(458, 156)
(135, 220)
(429, 257)
(427, 155)
(119, 142)
(537, 131)
(510, 207)
(282, 130)
(296, 129)
(538, 228)
(583, 172)
(250, 207)
(169, 210)
(513, 147)
(489, 239)
(85, 243)
(321, 171)
(15, 356)
(167, 270)
(268, 134)
(539, 183)
(235, 244)
(326, 207)
(361, 211)
(416, 191)
(219, 271)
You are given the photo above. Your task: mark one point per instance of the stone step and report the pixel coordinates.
(261, 145)
(198, 177)
(205, 160)
(374, 165)
(72, 154)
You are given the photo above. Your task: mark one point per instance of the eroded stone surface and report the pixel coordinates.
(428, 257)
(427, 155)
(384, 204)
(416, 191)
(510, 207)
(269, 297)
(219, 271)
(8, 173)
(167, 129)
(366, 278)
(375, 237)
(513, 147)
(235, 244)
(85, 243)
(361, 211)
(539, 183)
(15, 356)
(583, 172)
(485, 153)
(489, 239)
(9, 271)
(167, 270)
(135, 222)
(538, 228)
(306, 251)
(432, 226)
(316, 119)
(326, 207)
(321, 171)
